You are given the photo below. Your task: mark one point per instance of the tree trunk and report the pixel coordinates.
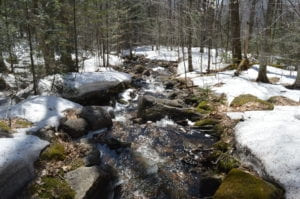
(75, 36)
(265, 53)
(3, 67)
(189, 20)
(297, 82)
(235, 31)
(31, 51)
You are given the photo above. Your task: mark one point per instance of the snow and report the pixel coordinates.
(274, 138)
(225, 82)
(21, 149)
(95, 64)
(40, 110)
(199, 60)
(77, 84)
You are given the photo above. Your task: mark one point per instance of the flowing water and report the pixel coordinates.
(156, 159)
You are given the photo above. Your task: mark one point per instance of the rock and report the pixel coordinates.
(209, 186)
(169, 85)
(111, 142)
(18, 155)
(3, 84)
(147, 72)
(46, 133)
(110, 110)
(283, 101)
(154, 109)
(250, 102)
(91, 154)
(88, 182)
(75, 127)
(139, 69)
(5, 135)
(242, 185)
(86, 88)
(96, 116)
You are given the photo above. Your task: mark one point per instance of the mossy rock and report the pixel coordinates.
(56, 151)
(222, 146)
(21, 123)
(246, 99)
(204, 107)
(4, 127)
(226, 163)
(52, 188)
(241, 185)
(77, 163)
(283, 101)
(205, 122)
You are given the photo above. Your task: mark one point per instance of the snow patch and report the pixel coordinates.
(274, 138)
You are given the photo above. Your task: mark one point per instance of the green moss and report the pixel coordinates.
(205, 122)
(226, 163)
(23, 123)
(121, 101)
(55, 152)
(52, 188)
(241, 185)
(278, 66)
(221, 145)
(244, 99)
(4, 127)
(204, 108)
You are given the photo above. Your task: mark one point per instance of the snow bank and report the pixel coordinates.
(78, 84)
(164, 53)
(17, 156)
(40, 110)
(274, 138)
(225, 82)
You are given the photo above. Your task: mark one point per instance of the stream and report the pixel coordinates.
(156, 160)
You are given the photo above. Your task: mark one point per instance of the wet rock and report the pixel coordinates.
(5, 135)
(75, 127)
(111, 142)
(3, 85)
(242, 185)
(110, 110)
(96, 116)
(154, 109)
(169, 84)
(209, 186)
(139, 69)
(88, 182)
(46, 133)
(91, 153)
(147, 72)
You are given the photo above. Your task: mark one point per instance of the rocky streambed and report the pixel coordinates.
(158, 138)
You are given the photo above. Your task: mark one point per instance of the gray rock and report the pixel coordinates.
(154, 109)
(5, 135)
(88, 182)
(75, 127)
(91, 155)
(97, 117)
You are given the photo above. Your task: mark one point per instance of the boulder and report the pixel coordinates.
(75, 127)
(139, 69)
(5, 135)
(17, 156)
(242, 185)
(88, 182)
(86, 88)
(96, 116)
(154, 109)
(3, 84)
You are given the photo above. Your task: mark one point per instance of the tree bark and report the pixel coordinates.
(189, 20)
(235, 31)
(265, 53)
(297, 82)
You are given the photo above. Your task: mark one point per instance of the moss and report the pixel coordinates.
(244, 99)
(221, 145)
(77, 163)
(278, 66)
(51, 188)
(20, 123)
(226, 163)
(121, 101)
(242, 185)
(205, 122)
(55, 152)
(204, 107)
(4, 126)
